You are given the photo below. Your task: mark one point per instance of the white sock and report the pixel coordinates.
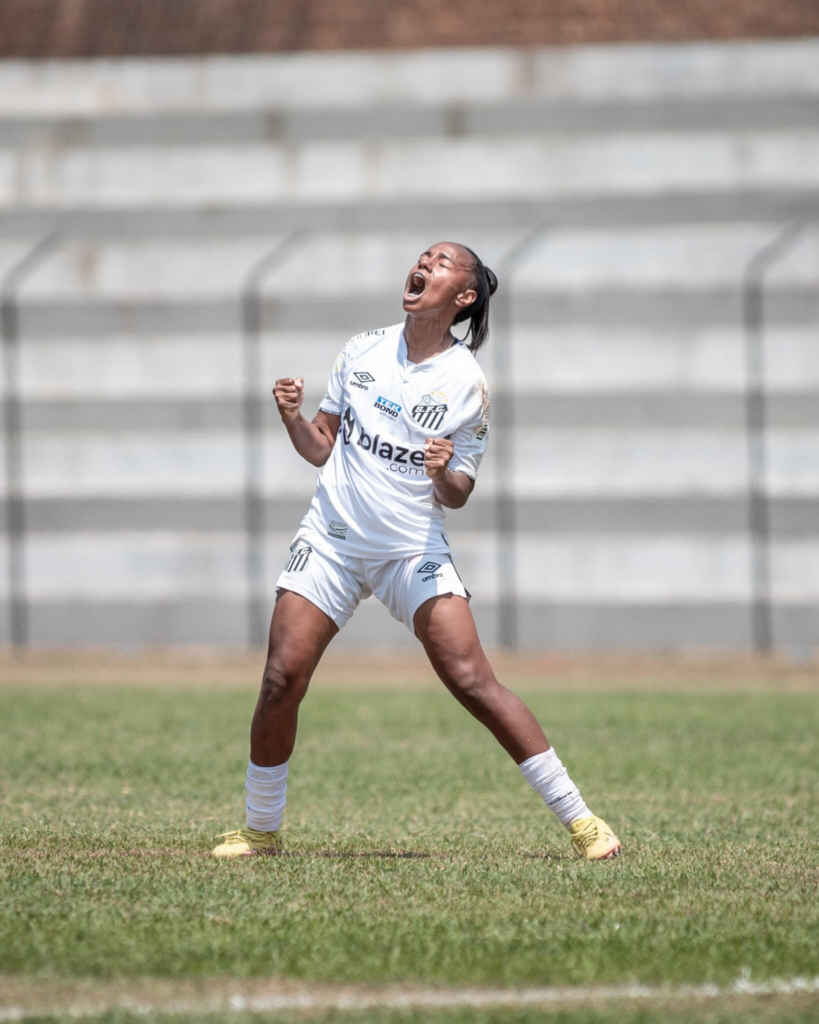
(266, 790)
(547, 776)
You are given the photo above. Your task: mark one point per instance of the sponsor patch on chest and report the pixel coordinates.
(387, 408)
(401, 459)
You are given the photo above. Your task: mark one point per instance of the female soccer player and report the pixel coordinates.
(400, 434)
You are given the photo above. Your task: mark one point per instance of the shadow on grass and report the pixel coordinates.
(364, 854)
(398, 854)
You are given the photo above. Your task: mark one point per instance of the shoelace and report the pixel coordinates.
(587, 834)
(239, 835)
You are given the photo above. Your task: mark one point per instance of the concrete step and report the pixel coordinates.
(560, 567)
(547, 463)
(629, 463)
(578, 358)
(564, 626)
(139, 464)
(690, 255)
(597, 514)
(437, 217)
(411, 120)
(603, 308)
(430, 77)
(488, 168)
(589, 410)
(560, 359)
(215, 268)
(362, 266)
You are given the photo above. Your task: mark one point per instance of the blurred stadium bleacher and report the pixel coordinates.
(651, 174)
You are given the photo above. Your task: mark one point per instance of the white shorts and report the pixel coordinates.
(335, 582)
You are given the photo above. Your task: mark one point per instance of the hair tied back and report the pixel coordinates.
(485, 284)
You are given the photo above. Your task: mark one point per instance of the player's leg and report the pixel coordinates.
(299, 635)
(318, 590)
(445, 626)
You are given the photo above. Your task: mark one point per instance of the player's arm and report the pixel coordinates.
(312, 440)
(452, 488)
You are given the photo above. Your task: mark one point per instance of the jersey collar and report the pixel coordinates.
(427, 364)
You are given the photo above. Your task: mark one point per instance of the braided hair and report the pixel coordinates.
(485, 284)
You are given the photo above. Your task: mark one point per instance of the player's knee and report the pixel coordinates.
(472, 685)
(281, 685)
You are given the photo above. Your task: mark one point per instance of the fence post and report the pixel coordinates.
(253, 425)
(503, 425)
(756, 425)
(15, 499)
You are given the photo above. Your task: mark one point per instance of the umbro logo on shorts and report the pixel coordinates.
(298, 560)
(431, 570)
(429, 567)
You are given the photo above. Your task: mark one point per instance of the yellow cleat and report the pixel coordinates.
(247, 842)
(593, 839)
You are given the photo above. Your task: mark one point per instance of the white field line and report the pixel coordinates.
(270, 998)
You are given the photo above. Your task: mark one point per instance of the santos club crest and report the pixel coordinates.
(430, 411)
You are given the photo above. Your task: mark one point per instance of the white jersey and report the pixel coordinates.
(374, 499)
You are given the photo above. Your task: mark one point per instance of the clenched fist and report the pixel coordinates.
(437, 453)
(289, 394)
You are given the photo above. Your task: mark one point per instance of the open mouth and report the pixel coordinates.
(416, 286)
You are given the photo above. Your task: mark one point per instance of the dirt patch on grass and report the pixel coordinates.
(386, 669)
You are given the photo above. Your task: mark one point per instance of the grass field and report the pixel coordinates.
(417, 858)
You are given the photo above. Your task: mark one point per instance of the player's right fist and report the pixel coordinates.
(289, 394)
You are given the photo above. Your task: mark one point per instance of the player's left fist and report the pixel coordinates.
(437, 453)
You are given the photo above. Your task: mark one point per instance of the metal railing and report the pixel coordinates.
(503, 428)
(253, 425)
(756, 427)
(19, 626)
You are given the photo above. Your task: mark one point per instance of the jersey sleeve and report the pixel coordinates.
(334, 398)
(470, 438)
